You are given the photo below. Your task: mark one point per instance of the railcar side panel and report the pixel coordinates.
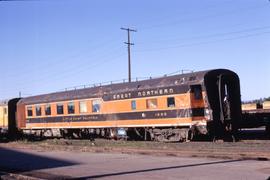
(3, 116)
(146, 117)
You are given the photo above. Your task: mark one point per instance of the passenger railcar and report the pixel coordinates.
(3, 116)
(170, 108)
(256, 115)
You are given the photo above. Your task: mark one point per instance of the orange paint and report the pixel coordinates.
(182, 101)
(121, 123)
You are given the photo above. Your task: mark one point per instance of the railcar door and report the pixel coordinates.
(223, 92)
(12, 118)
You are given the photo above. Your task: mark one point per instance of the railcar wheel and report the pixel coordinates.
(160, 138)
(191, 134)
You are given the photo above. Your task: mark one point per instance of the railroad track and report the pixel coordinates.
(12, 176)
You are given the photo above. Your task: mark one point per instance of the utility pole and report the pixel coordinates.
(129, 44)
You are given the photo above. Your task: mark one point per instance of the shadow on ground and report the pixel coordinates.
(13, 161)
(112, 175)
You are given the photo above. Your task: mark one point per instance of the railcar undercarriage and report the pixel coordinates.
(165, 134)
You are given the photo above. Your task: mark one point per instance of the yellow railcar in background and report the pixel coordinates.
(3, 116)
(266, 105)
(251, 106)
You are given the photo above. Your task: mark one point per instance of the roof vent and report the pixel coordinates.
(192, 78)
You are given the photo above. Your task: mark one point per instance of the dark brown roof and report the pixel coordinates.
(189, 78)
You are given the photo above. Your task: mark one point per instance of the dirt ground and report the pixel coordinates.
(29, 164)
(254, 145)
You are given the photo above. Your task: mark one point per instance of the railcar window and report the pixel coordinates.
(60, 108)
(5, 111)
(96, 105)
(48, 110)
(38, 110)
(197, 90)
(83, 107)
(133, 105)
(151, 103)
(29, 111)
(71, 108)
(170, 102)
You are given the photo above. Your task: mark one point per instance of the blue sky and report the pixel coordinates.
(49, 45)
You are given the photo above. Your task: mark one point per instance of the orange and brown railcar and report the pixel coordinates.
(166, 108)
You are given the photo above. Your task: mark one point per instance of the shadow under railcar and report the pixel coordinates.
(254, 134)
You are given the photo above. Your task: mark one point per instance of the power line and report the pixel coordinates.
(77, 57)
(180, 13)
(53, 76)
(128, 45)
(206, 42)
(82, 67)
(203, 18)
(211, 35)
(26, 88)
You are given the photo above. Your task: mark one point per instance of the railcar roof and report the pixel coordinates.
(3, 102)
(180, 79)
